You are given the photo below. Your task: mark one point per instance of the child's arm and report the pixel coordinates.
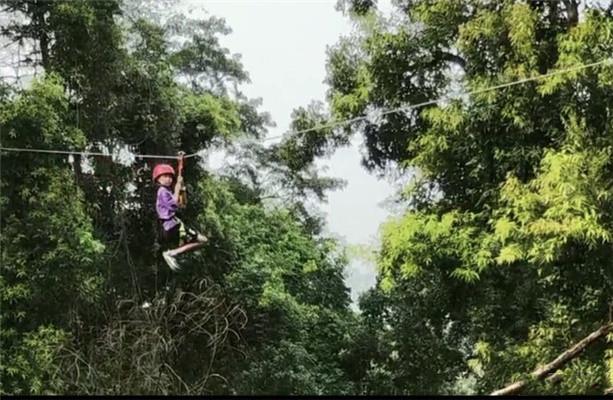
(178, 186)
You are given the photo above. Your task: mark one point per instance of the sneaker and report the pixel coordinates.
(171, 261)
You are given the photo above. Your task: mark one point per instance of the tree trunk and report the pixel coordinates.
(40, 29)
(572, 12)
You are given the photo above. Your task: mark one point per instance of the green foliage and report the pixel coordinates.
(291, 287)
(47, 242)
(31, 365)
(89, 307)
(502, 261)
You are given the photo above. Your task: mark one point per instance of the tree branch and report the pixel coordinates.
(454, 58)
(572, 12)
(556, 364)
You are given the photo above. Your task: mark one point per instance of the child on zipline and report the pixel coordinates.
(174, 237)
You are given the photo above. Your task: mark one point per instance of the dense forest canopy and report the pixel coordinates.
(499, 265)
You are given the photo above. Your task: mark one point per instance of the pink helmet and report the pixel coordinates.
(162, 169)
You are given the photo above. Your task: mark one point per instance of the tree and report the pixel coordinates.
(267, 288)
(501, 261)
(50, 257)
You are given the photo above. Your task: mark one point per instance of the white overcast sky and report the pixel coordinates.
(283, 47)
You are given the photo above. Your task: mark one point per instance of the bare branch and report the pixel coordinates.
(556, 364)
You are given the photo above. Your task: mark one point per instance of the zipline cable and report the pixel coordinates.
(341, 122)
(447, 97)
(91, 153)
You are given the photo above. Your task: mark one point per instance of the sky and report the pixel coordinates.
(283, 48)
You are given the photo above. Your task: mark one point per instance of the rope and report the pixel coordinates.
(341, 122)
(442, 98)
(89, 153)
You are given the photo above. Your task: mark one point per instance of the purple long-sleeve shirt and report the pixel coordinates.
(166, 207)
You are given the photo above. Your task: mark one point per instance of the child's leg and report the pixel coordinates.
(169, 240)
(194, 240)
(187, 247)
(191, 235)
